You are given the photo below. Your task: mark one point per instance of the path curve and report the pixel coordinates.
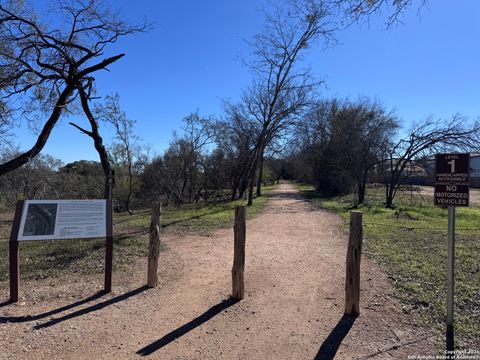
(294, 280)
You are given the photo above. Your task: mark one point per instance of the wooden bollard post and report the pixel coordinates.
(354, 254)
(154, 246)
(238, 268)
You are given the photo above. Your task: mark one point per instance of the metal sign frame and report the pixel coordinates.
(63, 219)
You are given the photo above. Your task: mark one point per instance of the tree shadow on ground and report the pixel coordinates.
(141, 230)
(179, 221)
(5, 303)
(331, 344)
(92, 308)
(27, 318)
(182, 330)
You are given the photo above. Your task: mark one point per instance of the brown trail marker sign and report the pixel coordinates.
(452, 189)
(452, 179)
(37, 220)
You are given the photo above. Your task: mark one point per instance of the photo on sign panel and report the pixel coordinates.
(40, 219)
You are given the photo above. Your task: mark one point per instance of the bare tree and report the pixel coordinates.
(281, 90)
(47, 64)
(358, 9)
(236, 139)
(125, 140)
(34, 181)
(183, 161)
(5, 126)
(423, 140)
(96, 137)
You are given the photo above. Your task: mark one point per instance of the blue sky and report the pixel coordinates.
(190, 61)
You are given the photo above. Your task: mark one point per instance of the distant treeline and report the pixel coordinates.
(279, 127)
(205, 163)
(338, 145)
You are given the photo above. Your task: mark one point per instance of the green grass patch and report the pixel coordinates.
(52, 258)
(410, 244)
(197, 218)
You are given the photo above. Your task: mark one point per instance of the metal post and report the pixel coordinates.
(109, 249)
(110, 184)
(109, 237)
(450, 277)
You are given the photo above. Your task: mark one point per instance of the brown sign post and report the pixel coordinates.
(14, 257)
(452, 188)
(109, 248)
(98, 226)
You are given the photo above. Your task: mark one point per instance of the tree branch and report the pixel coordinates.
(89, 133)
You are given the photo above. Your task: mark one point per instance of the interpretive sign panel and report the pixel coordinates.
(452, 179)
(63, 219)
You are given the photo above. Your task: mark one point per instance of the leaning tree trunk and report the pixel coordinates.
(390, 193)
(130, 185)
(260, 175)
(235, 184)
(251, 183)
(234, 193)
(251, 178)
(44, 134)
(386, 193)
(250, 194)
(243, 188)
(98, 141)
(361, 189)
(360, 193)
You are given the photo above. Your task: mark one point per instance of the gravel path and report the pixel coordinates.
(294, 280)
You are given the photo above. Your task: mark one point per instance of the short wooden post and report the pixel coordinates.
(238, 268)
(354, 254)
(14, 261)
(109, 248)
(154, 246)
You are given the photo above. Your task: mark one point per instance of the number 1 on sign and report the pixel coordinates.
(452, 165)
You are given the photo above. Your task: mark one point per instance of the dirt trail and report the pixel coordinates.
(295, 265)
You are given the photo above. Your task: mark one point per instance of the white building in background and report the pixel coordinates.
(427, 177)
(422, 172)
(475, 165)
